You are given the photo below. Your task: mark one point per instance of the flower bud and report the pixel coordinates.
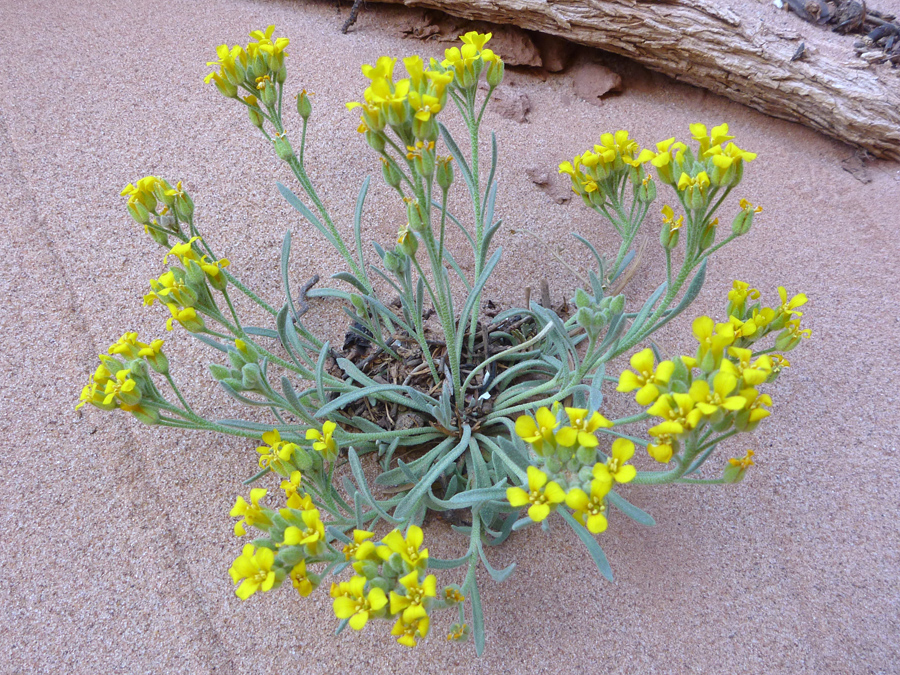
(444, 172)
(256, 119)
(139, 212)
(617, 306)
(708, 237)
(744, 219)
(586, 456)
(304, 106)
(390, 173)
(494, 75)
(358, 303)
(391, 262)
(736, 468)
(582, 299)
(375, 140)
(414, 215)
(281, 75)
(184, 205)
(251, 377)
(267, 94)
(646, 191)
(407, 243)
(283, 149)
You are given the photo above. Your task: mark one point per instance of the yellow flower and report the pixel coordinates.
(542, 496)
(408, 632)
(354, 604)
(744, 462)
(255, 568)
(123, 389)
(666, 435)
(412, 603)
(717, 136)
(647, 380)
(424, 105)
(476, 39)
(251, 514)
(787, 306)
(750, 373)
(583, 428)
(407, 548)
(711, 341)
(325, 444)
(296, 500)
(300, 580)
(277, 452)
(615, 467)
(187, 317)
(740, 291)
(383, 69)
(677, 408)
(590, 508)
(711, 400)
(668, 153)
(750, 416)
(311, 536)
(359, 537)
(537, 430)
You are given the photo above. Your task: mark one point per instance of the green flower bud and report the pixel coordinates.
(708, 237)
(304, 106)
(375, 140)
(582, 299)
(744, 219)
(553, 465)
(283, 149)
(358, 303)
(368, 568)
(617, 305)
(159, 237)
(494, 75)
(736, 468)
(139, 212)
(251, 377)
(586, 456)
(146, 414)
(256, 118)
(391, 173)
(445, 172)
(184, 205)
(391, 262)
(407, 243)
(267, 94)
(414, 216)
(646, 191)
(281, 75)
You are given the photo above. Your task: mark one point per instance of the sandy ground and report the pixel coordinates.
(117, 537)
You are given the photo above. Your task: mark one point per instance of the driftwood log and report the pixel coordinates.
(726, 48)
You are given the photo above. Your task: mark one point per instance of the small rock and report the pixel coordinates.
(511, 104)
(856, 167)
(592, 81)
(556, 53)
(557, 188)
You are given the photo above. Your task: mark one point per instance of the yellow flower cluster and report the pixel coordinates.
(296, 534)
(408, 106)
(256, 67)
(717, 163)
(398, 564)
(614, 155)
(724, 394)
(585, 496)
(144, 199)
(182, 291)
(324, 441)
(121, 380)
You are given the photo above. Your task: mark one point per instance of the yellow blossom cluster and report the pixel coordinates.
(409, 105)
(716, 163)
(122, 380)
(724, 393)
(258, 67)
(569, 453)
(159, 207)
(390, 580)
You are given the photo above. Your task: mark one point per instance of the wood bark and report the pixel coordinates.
(708, 44)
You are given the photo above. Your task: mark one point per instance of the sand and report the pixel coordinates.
(117, 538)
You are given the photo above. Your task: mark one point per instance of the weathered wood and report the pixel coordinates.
(727, 50)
